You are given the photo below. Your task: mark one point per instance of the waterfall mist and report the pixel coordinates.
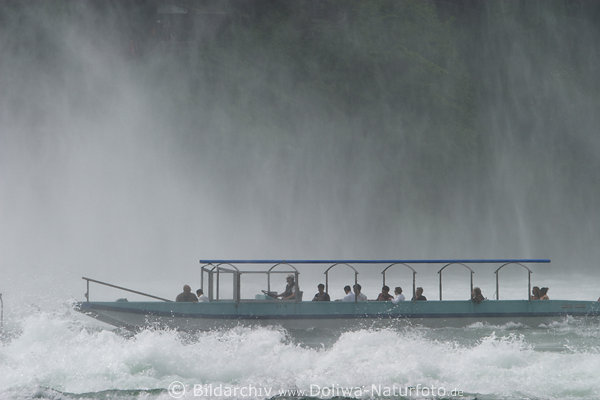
(137, 137)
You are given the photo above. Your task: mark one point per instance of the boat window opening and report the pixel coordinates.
(461, 264)
(529, 272)
(414, 275)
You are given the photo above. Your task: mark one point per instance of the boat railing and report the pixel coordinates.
(414, 275)
(294, 271)
(456, 263)
(529, 272)
(335, 265)
(87, 293)
(213, 272)
(215, 267)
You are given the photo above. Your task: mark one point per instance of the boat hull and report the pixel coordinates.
(331, 315)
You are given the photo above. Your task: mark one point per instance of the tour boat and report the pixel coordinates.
(299, 313)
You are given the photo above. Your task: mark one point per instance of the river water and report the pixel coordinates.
(49, 351)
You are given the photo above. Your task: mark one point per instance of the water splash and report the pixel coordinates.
(58, 355)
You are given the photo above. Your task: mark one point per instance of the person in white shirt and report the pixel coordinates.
(399, 296)
(349, 296)
(201, 296)
(360, 296)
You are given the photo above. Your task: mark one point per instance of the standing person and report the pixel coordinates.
(290, 289)
(385, 294)
(543, 294)
(399, 296)
(321, 295)
(419, 295)
(186, 295)
(201, 297)
(535, 293)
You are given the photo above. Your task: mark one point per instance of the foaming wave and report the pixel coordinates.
(56, 355)
(505, 326)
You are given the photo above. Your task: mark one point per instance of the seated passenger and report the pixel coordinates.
(543, 294)
(360, 296)
(187, 295)
(476, 296)
(347, 291)
(201, 296)
(356, 295)
(419, 295)
(535, 293)
(290, 289)
(321, 295)
(399, 296)
(385, 294)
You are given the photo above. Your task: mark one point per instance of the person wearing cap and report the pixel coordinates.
(290, 289)
(186, 295)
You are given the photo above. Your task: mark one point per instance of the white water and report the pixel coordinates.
(50, 351)
(62, 354)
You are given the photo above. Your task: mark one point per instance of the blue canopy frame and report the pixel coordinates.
(375, 261)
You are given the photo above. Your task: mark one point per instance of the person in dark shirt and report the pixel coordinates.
(187, 295)
(476, 296)
(385, 294)
(419, 295)
(321, 295)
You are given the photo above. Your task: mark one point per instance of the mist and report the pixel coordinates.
(139, 137)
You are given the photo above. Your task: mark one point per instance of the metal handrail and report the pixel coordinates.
(219, 269)
(295, 272)
(455, 263)
(212, 269)
(529, 272)
(432, 261)
(335, 265)
(87, 293)
(414, 273)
